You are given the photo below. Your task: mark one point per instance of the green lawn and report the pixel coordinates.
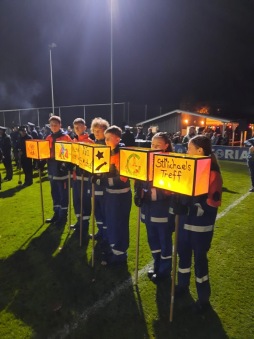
(49, 290)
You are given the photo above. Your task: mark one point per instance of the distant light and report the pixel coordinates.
(53, 45)
(186, 121)
(202, 122)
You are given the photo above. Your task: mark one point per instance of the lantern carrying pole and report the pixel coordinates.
(81, 209)
(174, 269)
(137, 247)
(69, 196)
(93, 222)
(42, 204)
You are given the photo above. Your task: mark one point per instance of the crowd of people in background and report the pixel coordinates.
(12, 145)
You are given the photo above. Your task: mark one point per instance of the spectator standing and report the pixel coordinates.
(5, 150)
(128, 137)
(32, 131)
(14, 142)
(250, 160)
(39, 132)
(187, 137)
(70, 132)
(150, 134)
(25, 162)
(140, 134)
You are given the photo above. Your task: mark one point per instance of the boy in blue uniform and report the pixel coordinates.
(98, 127)
(58, 174)
(117, 203)
(79, 126)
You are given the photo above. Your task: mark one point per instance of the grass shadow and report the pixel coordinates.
(225, 189)
(10, 192)
(185, 323)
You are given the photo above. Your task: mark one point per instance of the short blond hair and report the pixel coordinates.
(99, 123)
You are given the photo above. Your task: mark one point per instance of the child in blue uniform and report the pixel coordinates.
(81, 135)
(58, 174)
(98, 127)
(117, 203)
(159, 223)
(196, 229)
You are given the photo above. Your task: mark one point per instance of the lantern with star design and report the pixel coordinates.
(94, 158)
(182, 173)
(37, 149)
(137, 163)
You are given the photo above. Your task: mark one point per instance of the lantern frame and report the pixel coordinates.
(144, 169)
(182, 173)
(94, 158)
(37, 149)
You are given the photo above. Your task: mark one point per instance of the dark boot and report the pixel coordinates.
(53, 219)
(62, 220)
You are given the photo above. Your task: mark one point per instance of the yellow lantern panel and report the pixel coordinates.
(75, 153)
(182, 174)
(94, 158)
(37, 149)
(137, 163)
(63, 151)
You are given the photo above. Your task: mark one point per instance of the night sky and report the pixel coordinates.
(164, 52)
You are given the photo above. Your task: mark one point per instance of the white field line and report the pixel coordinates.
(118, 290)
(235, 203)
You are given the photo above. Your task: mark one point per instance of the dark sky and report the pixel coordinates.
(164, 51)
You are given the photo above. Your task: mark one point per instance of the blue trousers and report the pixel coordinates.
(117, 209)
(159, 225)
(197, 243)
(99, 210)
(86, 200)
(59, 193)
(250, 163)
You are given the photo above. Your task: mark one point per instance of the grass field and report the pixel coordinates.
(49, 290)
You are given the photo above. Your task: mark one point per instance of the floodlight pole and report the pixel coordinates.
(111, 64)
(53, 45)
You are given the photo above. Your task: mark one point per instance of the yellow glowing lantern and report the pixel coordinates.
(75, 153)
(63, 151)
(94, 158)
(137, 163)
(180, 173)
(37, 149)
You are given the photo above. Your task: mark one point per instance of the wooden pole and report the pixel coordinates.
(174, 269)
(93, 222)
(69, 198)
(137, 247)
(41, 193)
(81, 209)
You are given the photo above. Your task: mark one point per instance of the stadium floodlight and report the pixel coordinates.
(111, 64)
(51, 46)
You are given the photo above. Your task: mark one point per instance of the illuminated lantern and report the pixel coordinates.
(75, 153)
(137, 163)
(94, 158)
(63, 151)
(37, 149)
(180, 173)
